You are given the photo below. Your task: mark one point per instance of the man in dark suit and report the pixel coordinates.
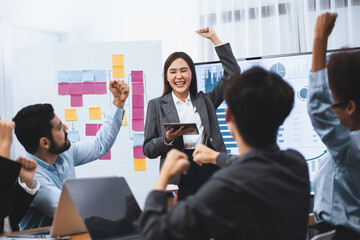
(17, 183)
(261, 194)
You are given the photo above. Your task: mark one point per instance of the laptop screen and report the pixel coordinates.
(106, 205)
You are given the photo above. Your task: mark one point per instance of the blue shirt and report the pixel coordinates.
(337, 183)
(51, 177)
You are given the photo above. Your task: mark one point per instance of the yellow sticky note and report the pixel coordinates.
(124, 122)
(118, 60)
(118, 72)
(139, 164)
(95, 113)
(70, 115)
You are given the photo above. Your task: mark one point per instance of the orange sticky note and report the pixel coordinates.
(118, 72)
(118, 60)
(124, 122)
(95, 113)
(70, 115)
(139, 164)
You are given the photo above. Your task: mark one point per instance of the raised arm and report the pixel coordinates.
(227, 60)
(88, 151)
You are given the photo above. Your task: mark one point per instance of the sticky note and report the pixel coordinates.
(64, 88)
(88, 88)
(138, 139)
(75, 76)
(99, 126)
(118, 72)
(63, 77)
(76, 88)
(76, 100)
(138, 152)
(70, 115)
(124, 121)
(138, 124)
(107, 156)
(139, 164)
(137, 100)
(100, 87)
(91, 129)
(118, 60)
(137, 76)
(95, 113)
(88, 75)
(137, 88)
(137, 112)
(73, 136)
(100, 75)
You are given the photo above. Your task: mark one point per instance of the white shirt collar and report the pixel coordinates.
(177, 100)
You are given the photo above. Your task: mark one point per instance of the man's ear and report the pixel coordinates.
(44, 143)
(350, 108)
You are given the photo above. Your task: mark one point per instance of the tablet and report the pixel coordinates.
(176, 126)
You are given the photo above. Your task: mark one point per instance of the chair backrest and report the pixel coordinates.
(325, 236)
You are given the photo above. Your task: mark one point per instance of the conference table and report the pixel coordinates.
(80, 236)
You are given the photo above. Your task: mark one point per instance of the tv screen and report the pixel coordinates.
(297, 131)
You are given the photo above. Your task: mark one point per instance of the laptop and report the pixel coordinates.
(107, 207)
(67, 221)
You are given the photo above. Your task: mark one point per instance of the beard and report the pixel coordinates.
(56, 148)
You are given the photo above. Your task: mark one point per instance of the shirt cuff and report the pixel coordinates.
(319, 79)
(170, 143)
(35, 185)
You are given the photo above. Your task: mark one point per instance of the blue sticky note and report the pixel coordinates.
(88, 75)
(75, 76)
(138, 139)
(73, 136)
(63, 77)
(100, 75)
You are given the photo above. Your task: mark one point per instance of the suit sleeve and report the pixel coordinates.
(154, 143)
(20, 203)
(230, 66)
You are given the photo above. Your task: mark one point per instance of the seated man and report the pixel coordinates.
(17, 183)
(44, 137)
(334, 109)
(261, 194)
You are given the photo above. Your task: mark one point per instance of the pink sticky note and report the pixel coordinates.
(138, 100)
(107, 156)
(137, 76)
(137, 88)
(138, 112)
(90, 129)
(99, 126)
(64, 89)
(88, 88)
(138, 124)
(76, 100)
(75, 88)
(100, 87)
(138, 152)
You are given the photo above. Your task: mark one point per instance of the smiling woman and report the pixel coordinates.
(181, 103)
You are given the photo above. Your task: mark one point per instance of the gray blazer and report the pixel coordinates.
(162, 110)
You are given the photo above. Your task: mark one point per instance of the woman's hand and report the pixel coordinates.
(171, 134)
(209, 33)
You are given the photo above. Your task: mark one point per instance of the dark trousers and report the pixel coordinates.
(341, 233)
(195, 177)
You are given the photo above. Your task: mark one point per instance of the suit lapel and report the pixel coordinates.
(200, 105)
(169, 109)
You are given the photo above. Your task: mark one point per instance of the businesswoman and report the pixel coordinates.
(181, 103)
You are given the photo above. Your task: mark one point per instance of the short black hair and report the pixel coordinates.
(32, 123)
(189, 61)
(259, 102)
(344, 76)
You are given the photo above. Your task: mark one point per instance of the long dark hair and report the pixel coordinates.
(189, 61)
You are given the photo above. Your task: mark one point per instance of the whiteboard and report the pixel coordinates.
(40, 85)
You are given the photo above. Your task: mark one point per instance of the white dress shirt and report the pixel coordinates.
(188, 113)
